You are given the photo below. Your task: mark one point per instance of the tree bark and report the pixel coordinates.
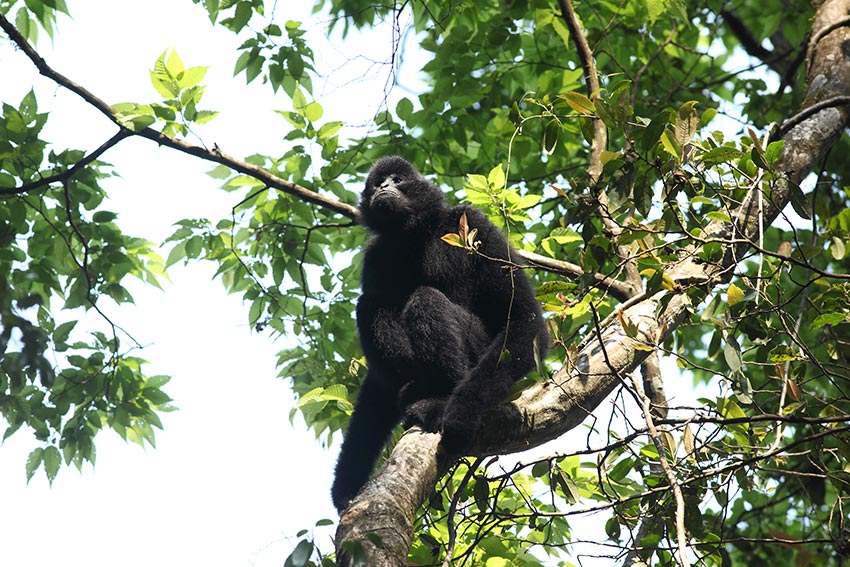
(388, 503)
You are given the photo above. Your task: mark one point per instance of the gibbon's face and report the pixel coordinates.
(388, 190)
(396, 195)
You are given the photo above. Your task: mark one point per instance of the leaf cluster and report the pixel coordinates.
(62, 255)
(505, 122)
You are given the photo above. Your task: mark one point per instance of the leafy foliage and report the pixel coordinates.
(504, 120)
(62, 254)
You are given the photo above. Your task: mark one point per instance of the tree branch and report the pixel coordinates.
(676, 487)
(214, 155)
(773, 59)
(599, 143)
(68, 173)
(585, 55)
(618, 289)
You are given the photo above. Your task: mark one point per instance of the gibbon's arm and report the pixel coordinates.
(382, 336)
(375, 415)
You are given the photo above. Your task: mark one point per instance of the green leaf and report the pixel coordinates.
(722, 154)
(652, 133)
(60, 335)
(837, 249)
(567, 485)
(528, 201)
(718, 216)
(173, 64)
(191, 77)
(799, 202)
(758, 158)
(176, 254)
(579, 102)
(540, 469)
(329, 129)
(404, 109)
(612, 528)
(104, 216)
(834, 318)
(481, 493)
(732, 353)
(242, 62)
(671, 145)
(496, 177)
(220, 172)
(313, 111)
(204, 116)
(300, 556)
(550, 136)
(773, 151)
(649, 452)
(52, 460)
(242, 16)
(686, 122)
(34, 461)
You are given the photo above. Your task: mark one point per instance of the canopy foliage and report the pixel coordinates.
(609, 188)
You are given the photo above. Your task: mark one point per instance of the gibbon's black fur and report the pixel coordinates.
(433, 321)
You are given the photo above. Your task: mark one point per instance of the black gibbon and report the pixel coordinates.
(433, 321)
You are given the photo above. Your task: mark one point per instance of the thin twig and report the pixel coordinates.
(654, 434)
(831, 102)
(450, 520)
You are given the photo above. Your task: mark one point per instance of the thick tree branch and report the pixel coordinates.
(377, 528)
(547, 410)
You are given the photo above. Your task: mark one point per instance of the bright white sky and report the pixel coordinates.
(231, 481)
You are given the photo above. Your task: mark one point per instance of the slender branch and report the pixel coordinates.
(809, 111)
(217, 156)
(752, 45)
(63, 176)
(450, 519)
(618, 289)
(600, 141)
(600, 134)
(655, 435)
(214, 155)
